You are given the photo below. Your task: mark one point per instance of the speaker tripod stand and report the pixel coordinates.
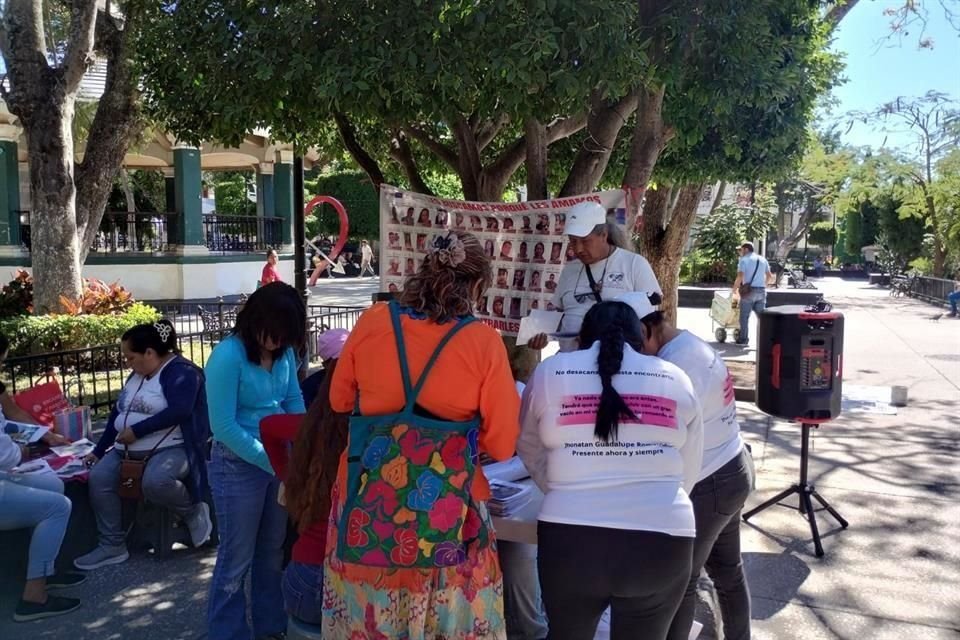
(806, 492)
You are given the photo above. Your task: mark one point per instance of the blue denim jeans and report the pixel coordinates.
(252, 526)
(303, 591)
(756, 301)
(522, 603)
(36, 501)
(161, 485)
(953, 298)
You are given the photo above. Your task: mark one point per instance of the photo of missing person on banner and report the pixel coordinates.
(424, 219)
(506, 251)
(519, 276)
(522, 254)
(502, 279)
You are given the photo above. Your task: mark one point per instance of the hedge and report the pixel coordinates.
(43, 334)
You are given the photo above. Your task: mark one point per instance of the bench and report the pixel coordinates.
(217, 321)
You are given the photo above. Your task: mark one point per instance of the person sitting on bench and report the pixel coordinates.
(954, 297)
(160, 416)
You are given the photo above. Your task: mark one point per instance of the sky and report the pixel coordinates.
(879, 71)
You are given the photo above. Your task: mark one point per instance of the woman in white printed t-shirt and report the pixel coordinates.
(725, 477)
(614, 438)
(604, 270)
(160, 417)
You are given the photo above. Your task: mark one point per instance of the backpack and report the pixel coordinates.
(408, 502)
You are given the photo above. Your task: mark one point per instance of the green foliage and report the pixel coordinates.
(853, 232)
(740, 78)
(744, 98)
(353, 190)
(230, 194)
(822, 234)
(697, 268)
(922, 265)
(234, 62)
(721, 232)
(149, 191)
(42, 334)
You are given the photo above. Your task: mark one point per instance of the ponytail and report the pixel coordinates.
(612, 406)
(614, 325)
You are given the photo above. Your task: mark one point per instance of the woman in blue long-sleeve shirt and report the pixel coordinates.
(252, 374)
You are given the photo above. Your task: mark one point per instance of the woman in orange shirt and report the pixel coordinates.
(461, 597)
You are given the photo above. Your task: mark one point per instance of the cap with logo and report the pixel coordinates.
(583, 218)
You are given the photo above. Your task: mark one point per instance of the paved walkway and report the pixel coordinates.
(894, 574)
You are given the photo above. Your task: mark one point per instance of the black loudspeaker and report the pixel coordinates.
(799, 363)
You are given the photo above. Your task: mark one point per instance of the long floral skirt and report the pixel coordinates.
(371, 603)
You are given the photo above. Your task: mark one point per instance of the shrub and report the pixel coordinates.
(698, 268)
(43, 334)
(822, 234)
(922, 265)
(98, 297)
(16, 297)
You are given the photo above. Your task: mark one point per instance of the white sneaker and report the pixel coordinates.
(200, 525)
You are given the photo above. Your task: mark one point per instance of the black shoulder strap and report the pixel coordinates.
(593, 284)
(755, 269)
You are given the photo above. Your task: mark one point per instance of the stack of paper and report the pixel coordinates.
(510, 470)
(508, 498)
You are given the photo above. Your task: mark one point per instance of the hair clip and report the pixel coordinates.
(449, 249)
(164, 330)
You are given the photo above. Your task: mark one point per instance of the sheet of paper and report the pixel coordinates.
(79, 448)
(33, 467)
(539, 321)
(26, 433)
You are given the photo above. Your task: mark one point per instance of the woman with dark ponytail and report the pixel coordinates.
(614, 440)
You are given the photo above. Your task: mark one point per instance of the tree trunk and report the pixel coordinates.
(535, 135)
(116, 124)
(668, 216)
(650, 136)
(53, 230)
(790, 240)
(604, 124)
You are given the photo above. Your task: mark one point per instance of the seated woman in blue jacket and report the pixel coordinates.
(160, 416)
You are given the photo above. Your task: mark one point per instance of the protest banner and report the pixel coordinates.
(524, 240)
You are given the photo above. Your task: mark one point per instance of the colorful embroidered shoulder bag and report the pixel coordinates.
(408, 501)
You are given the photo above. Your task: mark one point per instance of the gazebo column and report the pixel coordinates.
(187, 203)
(170, 190)
(265, 192)
(283, 197)
(9, 192)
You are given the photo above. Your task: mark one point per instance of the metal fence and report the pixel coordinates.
(94, 376)
(129, 232)
(122, 232)
(931, 289)
(241, 234)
